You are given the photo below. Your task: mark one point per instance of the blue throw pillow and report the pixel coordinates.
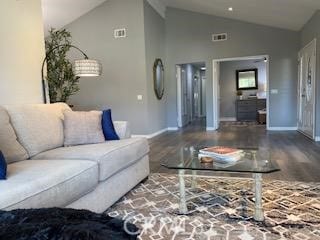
(3, 167)
(107, 126)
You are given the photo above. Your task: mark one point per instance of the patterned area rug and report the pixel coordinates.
(221, 208)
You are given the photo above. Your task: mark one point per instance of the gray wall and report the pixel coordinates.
(21, 52)
(123, 61)
(185, 37)
(127, 62)
(228, 87)
(188, 39)
(310, 31)
(154, 29)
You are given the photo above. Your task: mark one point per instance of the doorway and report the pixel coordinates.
(240, 91)
(306, 90)
(191, 99)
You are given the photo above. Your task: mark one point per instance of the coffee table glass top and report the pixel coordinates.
(253, 160)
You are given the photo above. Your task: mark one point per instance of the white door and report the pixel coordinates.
(185, 97)
(182, 96)
(179, 95)
(306, 89)
(216, 94)
(196, 96)
(203, 95)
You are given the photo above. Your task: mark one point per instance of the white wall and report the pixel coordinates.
(21, 51)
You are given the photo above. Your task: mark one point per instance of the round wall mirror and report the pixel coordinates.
(158, 78)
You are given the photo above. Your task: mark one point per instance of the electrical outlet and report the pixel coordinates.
(274, 91)
(139, 97)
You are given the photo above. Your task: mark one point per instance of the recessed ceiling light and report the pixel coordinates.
(230, 9)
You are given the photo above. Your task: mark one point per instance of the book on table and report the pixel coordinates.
(220, 153)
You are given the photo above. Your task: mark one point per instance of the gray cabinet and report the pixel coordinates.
(247, 110)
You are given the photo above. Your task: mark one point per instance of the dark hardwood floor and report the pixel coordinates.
(297, 156)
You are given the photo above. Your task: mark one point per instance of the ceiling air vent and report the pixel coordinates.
(219, 37)
(120, 33)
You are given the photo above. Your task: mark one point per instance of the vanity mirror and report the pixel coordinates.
(247, 79)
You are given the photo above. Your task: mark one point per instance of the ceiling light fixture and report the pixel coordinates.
(230, 9)
(203, 68)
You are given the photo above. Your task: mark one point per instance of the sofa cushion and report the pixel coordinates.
(112, 156)
(39, 127)
(82, 128)
(47, 183)
(10, 147)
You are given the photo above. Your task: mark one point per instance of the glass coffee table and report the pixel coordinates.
(253, 160)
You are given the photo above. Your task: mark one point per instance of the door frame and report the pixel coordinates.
(216, 90)
(180, 103)
(314, 41)
(179, 95)
(216, 93)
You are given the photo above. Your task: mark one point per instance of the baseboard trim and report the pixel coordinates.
(210, 129)
(228, 119)
(282, 129)
(152, 135)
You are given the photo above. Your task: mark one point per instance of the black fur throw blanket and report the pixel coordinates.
(63, 224)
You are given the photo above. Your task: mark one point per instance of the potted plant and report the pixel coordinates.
(61, 79)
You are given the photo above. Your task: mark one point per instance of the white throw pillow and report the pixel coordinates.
(82, 128)
(39, 127)
(10, 147)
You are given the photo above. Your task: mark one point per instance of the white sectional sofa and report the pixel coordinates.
(44, 173)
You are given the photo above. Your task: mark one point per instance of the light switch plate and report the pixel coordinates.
(274, 91)
(139, 97)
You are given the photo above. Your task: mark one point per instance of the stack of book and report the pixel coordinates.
(222, 154)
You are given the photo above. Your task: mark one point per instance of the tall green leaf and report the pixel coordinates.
(61, 79)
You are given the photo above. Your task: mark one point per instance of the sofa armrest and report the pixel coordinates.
(122, 128)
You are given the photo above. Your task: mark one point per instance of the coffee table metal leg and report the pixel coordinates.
(182, 188)
(194, 179)
(258, 211)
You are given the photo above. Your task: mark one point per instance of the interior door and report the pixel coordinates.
(216, 94)
(182, 96)
(306, 90)
(179, 95)
(196, 96)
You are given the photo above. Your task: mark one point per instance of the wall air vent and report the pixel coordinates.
(219, 37)
(120, 33)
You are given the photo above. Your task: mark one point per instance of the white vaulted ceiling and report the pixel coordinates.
(288, 14)
(58, 13)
